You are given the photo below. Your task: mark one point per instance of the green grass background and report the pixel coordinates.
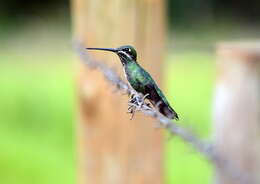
(37, 133)
(189, 78)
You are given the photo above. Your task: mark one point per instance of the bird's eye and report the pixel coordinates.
(127, 50)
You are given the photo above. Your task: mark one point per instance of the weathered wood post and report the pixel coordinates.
(237, 108)
(113, 149)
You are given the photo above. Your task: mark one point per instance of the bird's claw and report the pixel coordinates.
(145, 96)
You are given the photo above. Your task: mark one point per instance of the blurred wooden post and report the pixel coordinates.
(237, 108)
(113, 149)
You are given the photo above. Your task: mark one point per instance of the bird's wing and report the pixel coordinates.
(156, 96)
(159, 100)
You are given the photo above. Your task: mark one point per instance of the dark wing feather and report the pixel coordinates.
(158, 99)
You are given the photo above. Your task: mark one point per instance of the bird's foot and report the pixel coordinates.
(136, 103)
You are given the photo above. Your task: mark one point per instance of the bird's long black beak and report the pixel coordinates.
(105, 49)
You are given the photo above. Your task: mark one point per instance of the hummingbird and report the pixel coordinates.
(140, 80)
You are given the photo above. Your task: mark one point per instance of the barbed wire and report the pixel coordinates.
(208, 150)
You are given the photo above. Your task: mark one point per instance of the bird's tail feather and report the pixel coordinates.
(167, 111)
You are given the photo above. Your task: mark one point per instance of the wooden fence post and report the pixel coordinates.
(237, 108)
(113, 149)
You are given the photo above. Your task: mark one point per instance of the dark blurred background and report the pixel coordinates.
(180, 12)
(184, 12)
(37, 131)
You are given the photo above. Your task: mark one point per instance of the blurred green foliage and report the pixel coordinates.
(37, 138)
(36, 130)
(189, 80)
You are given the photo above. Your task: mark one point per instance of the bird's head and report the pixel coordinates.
(126, 53)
